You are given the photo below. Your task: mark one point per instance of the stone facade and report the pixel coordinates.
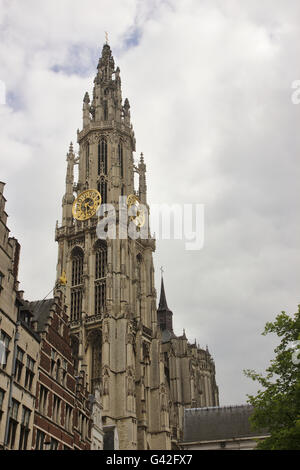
(146, 375)
(19, 345)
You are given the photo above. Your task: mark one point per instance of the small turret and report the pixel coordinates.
(68, 198)
(126, 112)
(86, 110)
(142, 180)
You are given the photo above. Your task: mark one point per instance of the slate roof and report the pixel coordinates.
(41, 310)
(218, 423)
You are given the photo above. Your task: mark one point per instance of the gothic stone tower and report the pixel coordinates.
(110, 283)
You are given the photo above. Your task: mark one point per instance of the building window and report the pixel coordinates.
(43, 400)
(105, 110)
(19, 364)
(102, 188)
(40, 438)
(87, 159)
(56, 409)
(68, 420)
(96, 361)
(29, 373)
(76, 290)
(13, 424)
(76, 303)
(1, 280)
(57, 375)
(2, 393)
(100, 261)
(120, 152)
(64, 373)
(52, 367)
(53, 444)
(4, 348)
(77, 266)
(24, 428)
(100, 296)
(102, 157)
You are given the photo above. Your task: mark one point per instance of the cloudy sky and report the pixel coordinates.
(210, 86)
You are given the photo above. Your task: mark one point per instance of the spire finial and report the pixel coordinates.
(106, 37)
(162, 270)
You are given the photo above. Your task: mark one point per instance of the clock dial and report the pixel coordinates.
(86, 204)
(139, 218)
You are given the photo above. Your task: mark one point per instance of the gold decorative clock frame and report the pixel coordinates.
(86, 204)
(139, 218)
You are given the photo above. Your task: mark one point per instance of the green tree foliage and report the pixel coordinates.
(277, 405)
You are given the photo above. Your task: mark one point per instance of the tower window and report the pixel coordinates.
(100, 262)
(87, 157)
(100, 296)
(120, 152)
(105, 111)
(77, 267)
(102, 157)
(76, 290)
(102, 188)
(100, 273)
(76, 303)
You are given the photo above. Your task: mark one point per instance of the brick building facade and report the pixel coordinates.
(62, 418)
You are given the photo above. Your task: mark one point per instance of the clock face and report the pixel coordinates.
(86, 204)
(139, 218)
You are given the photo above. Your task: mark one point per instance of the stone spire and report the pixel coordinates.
(68, 196)
(164, 314)
(106, 106)
(142, 180)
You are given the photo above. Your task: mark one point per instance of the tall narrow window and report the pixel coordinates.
(76, 289)
(100, 277)
(120, 152)
(102, 188)
(19, 364)
(13, 424)
(29, 372)
(39, 440)
(4, 348)
(105, 110)
(102, 157)
(139, 260)
(96, 343)
(43, 400)
(24, 432)
(2, 393)
(87, 159)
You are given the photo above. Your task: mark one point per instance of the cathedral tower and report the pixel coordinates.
(110, 283)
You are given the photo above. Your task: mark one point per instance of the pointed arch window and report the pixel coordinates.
(76, 283)
(87, 159)
(100, 276)
(96, 344)
(105, 111)
(120, 153)
(139, 260)
(102, 156)
(102, 188)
